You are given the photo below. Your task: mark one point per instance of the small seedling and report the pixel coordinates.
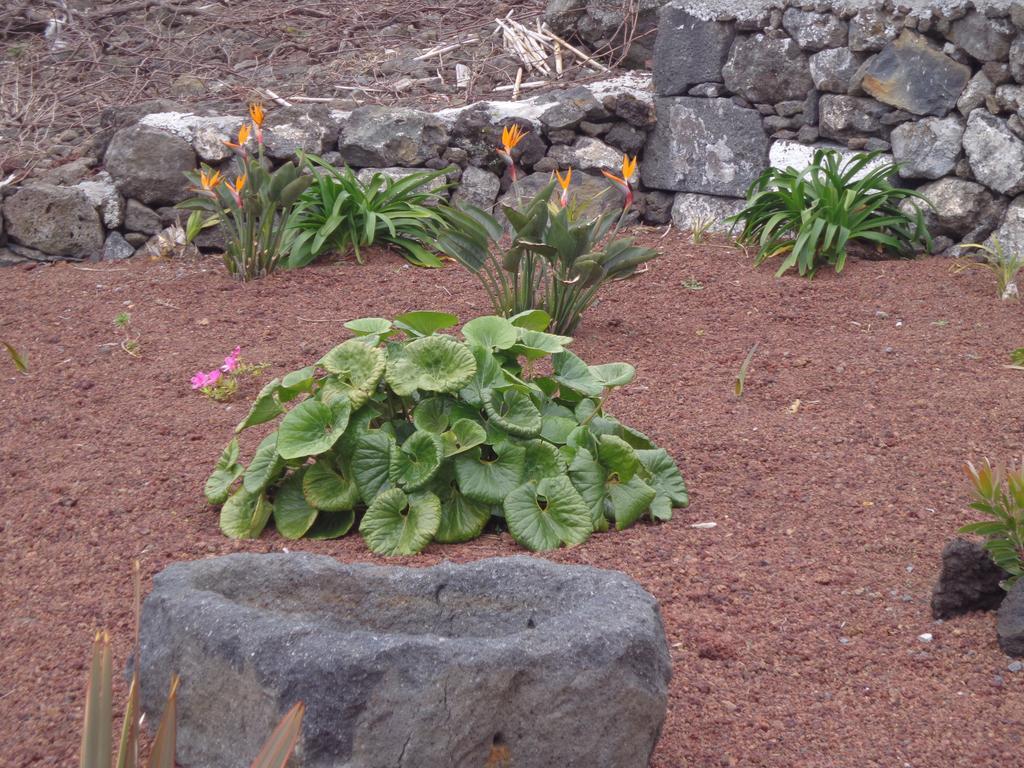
(693, 284)
(130, 342)
(16, 357)
(700, 228)
(1017, 358)
(1003, 265)
(741, 377)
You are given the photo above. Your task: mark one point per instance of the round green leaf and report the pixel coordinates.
(371, 462)
(614, 374)
(666, 479)
(547, 514)
(431, 415)
(245, 515)
(416, 461)
(358, 425)
(434, 364)
(225, 472)
(329, 490)
(265, 408)
(464, 434)
(542, 460)
(556, 429)
(370, 326)
(490, 332)
(488, 374)
(396, 524)
(425, 323)
(357, 369)
(312, 427)
(618, 456)
(331, 525)
(628, 501)
(531, 320)
(588, 477)
(293, 515)
(513, 411)
(265, 467)
(462, 518)
(300, 380)
(534, 345)
(490, 480)
(573, 373)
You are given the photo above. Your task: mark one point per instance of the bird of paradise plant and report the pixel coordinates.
(557, 260)
(511, 135)
(253, 209)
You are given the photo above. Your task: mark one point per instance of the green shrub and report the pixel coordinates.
(811, 217)
(415, 436)
(338, 213)
(553, 261)
(253, 210)
(1004, 534)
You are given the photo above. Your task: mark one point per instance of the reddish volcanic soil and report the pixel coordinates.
(793, 624)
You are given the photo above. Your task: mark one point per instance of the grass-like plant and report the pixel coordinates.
(16, 357)
(1004, 265)
(554, 260)
(999, 494)
(412, 435)
(811, 217)
(338, 213)
(253, 210)
(98, 727)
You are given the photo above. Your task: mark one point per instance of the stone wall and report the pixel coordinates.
(114, 207)
(737, 85)
(937, 86)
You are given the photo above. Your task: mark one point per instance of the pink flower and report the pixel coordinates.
(231, 361)
(199, 380)
(212, 377)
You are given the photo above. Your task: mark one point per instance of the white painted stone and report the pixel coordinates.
(792, 154)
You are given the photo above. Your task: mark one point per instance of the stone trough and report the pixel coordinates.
(503, 662)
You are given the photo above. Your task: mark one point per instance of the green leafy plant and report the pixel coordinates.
(552, 261)
(339, 213)
(741, 377)
(412, 435)
(16, 357)
(130, 342)
(811, 217)
(1017, 358)
(999, 494)
(253, 210)
(97, 730)
(1003, 265)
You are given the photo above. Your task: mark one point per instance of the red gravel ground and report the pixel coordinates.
(793, 624)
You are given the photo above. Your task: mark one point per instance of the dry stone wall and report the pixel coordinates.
(936, 86)
(737, 86)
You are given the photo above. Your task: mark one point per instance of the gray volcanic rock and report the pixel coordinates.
(765, 70)
(844, 117)
(929, 148)
(710, 146)
(983, 38)
(814, 31)
(1010, 621)
(149, 164)
(59, 221)
(960, 209)
(688, 50)
(871, 29)
(995, 154)
(381, 137)
(911, 74)
(515, 659)
(477, 188)
(833, 69)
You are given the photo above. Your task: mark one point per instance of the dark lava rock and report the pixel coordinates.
(1010, 622)
(515, 661)
(969, 581)
(912, 74)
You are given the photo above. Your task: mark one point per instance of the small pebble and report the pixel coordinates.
(844, 640)
(1015, 666)
(925, 637)
(997, 681)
